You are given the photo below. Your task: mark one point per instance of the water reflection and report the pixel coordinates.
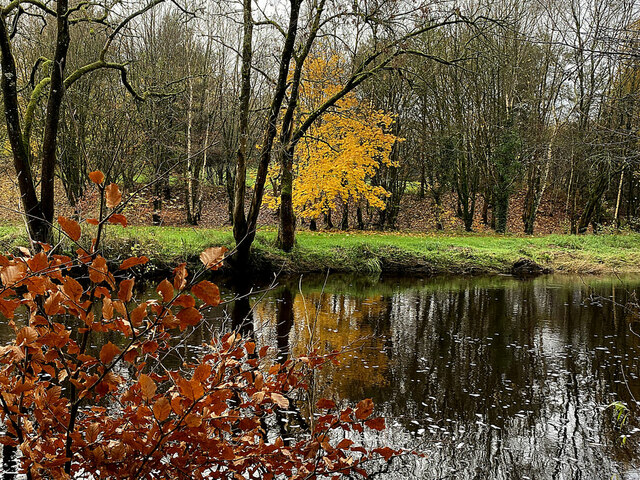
(493, 378)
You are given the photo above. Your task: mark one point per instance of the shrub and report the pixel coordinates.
(84, 391)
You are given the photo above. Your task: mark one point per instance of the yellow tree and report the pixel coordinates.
(340, 152)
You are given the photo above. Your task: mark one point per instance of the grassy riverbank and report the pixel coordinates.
(379, 252)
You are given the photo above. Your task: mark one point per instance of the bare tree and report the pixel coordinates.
(65, 17)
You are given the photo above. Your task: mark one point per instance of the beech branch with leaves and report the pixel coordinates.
(74, 402)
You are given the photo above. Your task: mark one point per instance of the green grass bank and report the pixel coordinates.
(397, 253)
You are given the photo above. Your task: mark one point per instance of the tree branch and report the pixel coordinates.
(16, 3)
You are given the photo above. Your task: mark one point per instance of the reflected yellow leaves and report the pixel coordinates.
(329, 323)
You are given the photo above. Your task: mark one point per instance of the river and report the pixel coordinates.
(489, 377)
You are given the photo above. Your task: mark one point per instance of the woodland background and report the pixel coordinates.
(502, 115)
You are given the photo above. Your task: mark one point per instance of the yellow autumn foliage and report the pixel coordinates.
(342, 151)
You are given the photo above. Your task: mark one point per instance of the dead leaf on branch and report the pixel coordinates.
(147, 386)
(96, 177)
(212, 257)
(207, 292)
(70, 227)
(113, 195)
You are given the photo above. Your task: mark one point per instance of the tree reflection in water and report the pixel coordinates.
(492, 378)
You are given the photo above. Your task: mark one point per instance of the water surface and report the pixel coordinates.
(490, 377)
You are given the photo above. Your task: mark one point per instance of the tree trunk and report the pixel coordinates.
(501, 207)
(618, 197)
(630, 199)
(197, 207)
(437, 200)
(327, 219)
(244, 227)
(485, 210)
(229, 187)
(468, 211)
(52, 120)
(344, 224)
(190, 183)
(156, 217)
(592, 203)
(240, 228)
(38, 227)
(359, 218)
(535, 192)
(287, 225)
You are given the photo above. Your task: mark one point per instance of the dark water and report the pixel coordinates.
(489, 377)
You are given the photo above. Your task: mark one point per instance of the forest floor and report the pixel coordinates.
(415, 214)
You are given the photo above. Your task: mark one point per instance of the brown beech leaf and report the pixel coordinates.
(193, 421)
(92, 221)
(125, 292)
(118, 218)
(280, 400)
(96, 177)
(52, 304)
(149, 347)
(212, 257)
(8, 307)
(162, 409)
(131, 355)
(45, 246)
(180, 276)
(170, 321)
(385, 452)
(176, 402)
(364, 409)
(12, 274)
(26, 336)
(72, 288)
(108, 353)
(165, 289)
(147, 386)
(83, 255)
(202, 372)
(113, 195)
(98, 272)
(70, 227)
(185, 300)
(259, 381)
(325, 404)
(22, 387)
(207, 292)
(38, 262)
(92, 432)
(133, 261)
(376, 423)
(189, 317)
(138, 314)
(344, 443)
